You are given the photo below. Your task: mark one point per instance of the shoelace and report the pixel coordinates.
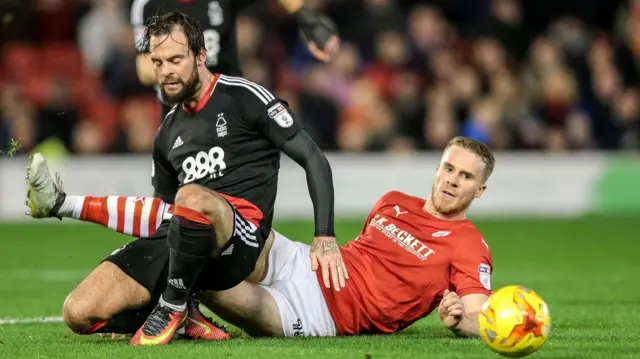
(157, 321)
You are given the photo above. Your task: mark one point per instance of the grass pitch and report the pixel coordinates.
(588, 271)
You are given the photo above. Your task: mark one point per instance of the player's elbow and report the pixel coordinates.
(315, 160)
(318, 171)
(319, 161)
(304, 151)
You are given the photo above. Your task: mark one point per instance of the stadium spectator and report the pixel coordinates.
(409, 75)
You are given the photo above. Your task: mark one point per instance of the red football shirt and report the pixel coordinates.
(400, 264)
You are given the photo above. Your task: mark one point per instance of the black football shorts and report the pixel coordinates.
(146, 260)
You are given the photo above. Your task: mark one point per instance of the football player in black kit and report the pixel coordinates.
(216, 157)
(218, 20)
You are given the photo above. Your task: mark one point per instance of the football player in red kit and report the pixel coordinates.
(411, 257)
(414, 254)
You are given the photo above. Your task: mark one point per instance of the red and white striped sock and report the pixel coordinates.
(134, 216)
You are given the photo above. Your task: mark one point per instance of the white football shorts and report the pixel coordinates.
(296, 290)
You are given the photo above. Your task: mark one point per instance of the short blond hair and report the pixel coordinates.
(480, 149)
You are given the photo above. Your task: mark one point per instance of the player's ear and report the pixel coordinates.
(202, 57)
(480, 191)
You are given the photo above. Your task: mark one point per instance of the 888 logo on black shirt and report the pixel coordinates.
(204, 163)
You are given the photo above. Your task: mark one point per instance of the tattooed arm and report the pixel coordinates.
(325, 254)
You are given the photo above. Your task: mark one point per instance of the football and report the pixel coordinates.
(515, 321)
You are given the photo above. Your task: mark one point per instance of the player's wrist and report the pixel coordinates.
(324, 234)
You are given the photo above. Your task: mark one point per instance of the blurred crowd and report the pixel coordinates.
(543, 75)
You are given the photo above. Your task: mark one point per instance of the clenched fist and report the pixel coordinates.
(451, 309)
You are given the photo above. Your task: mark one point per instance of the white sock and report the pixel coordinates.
(71, 207)
(177, 308)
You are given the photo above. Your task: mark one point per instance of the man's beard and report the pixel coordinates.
(443, 209)
(189, 88)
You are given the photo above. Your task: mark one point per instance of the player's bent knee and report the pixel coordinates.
(105, 292)
(197, 198)
(190, 196)
(77, 314)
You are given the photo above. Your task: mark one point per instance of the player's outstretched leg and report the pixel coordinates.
(202, 221)
(133, 216)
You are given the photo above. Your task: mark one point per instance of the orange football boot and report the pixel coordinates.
(160, 326)
(197, 326)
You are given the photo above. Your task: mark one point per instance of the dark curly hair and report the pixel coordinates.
(164, 22)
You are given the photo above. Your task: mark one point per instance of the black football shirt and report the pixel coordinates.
(230, 142)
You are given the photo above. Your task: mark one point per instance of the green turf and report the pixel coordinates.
(587, 270)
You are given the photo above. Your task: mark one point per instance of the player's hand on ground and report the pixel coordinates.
(451, 309)
(325, 54)
(325, 254)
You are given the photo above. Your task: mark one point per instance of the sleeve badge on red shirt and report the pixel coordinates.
(484, 271)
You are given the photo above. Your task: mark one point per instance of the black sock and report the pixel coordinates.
(191, 244)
